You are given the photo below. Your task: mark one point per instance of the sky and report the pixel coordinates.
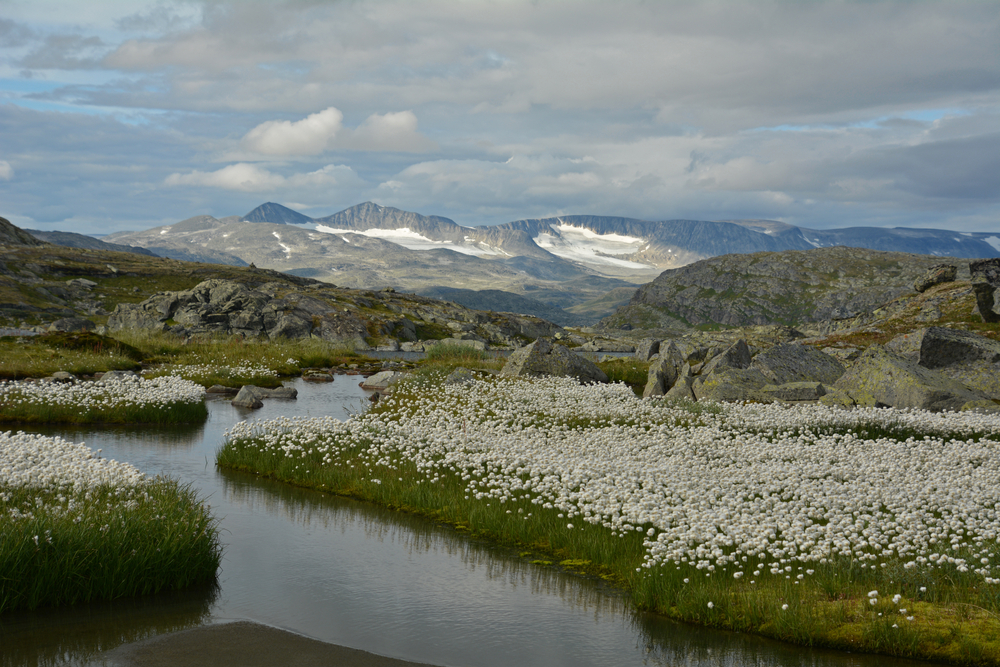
(125, 115)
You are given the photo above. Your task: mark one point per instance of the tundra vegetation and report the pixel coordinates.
(76, 527)
(867, 530)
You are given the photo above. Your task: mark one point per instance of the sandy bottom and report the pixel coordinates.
(246, 644)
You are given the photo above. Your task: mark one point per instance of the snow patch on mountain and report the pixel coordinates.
(993, 241)
(579, 244)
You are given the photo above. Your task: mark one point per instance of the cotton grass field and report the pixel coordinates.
(76, 527)
(872, 530)
(127, 399)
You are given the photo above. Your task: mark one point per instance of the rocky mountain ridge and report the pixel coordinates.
(791, 287)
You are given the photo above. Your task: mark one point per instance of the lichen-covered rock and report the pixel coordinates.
(731, 384)
(979, 376)
(543, 357)
(938, 347)
(936, 275)
(788, 362)
(794, 391)
(646, 348)
(460, 375)
(986, 284)
(835, 398)
(882, 378)
(736, 355)
(681, 389)
(663, 372)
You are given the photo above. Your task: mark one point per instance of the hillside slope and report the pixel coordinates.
(790, 287)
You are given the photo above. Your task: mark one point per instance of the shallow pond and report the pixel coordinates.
(352, 574)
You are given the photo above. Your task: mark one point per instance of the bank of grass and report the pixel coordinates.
(178, 412)
(232, 361)
(60, 547)
(80, 354)
(941, 615)
(443, 358)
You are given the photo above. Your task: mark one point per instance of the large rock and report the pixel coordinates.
(794, 391)
(382, 381)
(986, 284)
(736, 355)
(731, 384)
(881, 378)
(938, 347)
(936, 275)
(788, 362)
(646, 348)
(663, 372)
(253, 397)
(543, 357)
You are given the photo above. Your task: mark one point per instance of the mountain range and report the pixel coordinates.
(571, 261)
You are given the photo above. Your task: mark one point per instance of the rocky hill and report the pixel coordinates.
(45, 285)
(790, 288)
(13, 235)
(73, 240)
(505, 302)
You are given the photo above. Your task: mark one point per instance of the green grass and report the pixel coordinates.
(956, 619)
(65, 548)
(629, 370)
(173, 413)
(40, 356)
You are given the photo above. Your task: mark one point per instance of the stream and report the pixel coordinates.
(357, 575)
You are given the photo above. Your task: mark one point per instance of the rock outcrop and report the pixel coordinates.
(985, 276)
(543, 357)
(880, 378)
(252, 397)
(272, 310)
(936, 275)
(790, 287)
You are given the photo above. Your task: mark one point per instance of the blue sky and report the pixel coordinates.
(127, 115)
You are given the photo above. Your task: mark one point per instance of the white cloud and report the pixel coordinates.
(389, 132)
(6, 171)
(253, 178)
(310, 136)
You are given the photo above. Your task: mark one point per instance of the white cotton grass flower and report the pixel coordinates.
(788, 487)
(41, 462)
(133, 391)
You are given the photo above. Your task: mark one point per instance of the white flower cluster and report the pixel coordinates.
(128, 390)
(40, 462)
(196, 370)
(771, 483)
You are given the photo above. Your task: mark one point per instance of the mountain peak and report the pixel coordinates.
(277, 214)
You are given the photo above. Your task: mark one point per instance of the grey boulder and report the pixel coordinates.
(880, 378)
(543, 357)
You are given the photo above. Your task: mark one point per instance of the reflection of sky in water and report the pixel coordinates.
(352, 574)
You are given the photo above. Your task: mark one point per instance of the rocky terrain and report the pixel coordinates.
(791, 287)
(43, 286)
(73, 240)
(569, 262)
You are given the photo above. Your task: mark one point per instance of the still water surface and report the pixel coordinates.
(352, 574)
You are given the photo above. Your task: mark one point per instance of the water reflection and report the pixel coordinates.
(86, 630)
(349, 573)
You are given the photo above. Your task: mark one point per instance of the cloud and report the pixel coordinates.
(253, 178)
(323, 131)
(389, 132)
(6, 171)
(66, 52)
(310, 136)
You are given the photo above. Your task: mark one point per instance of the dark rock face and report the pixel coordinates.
(936, 275)
(986, 284)
(665, 371)
(13, 235)
(787, 362)
(543, 358)
(938, 347)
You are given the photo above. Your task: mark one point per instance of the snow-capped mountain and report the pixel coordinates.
(563, 261)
